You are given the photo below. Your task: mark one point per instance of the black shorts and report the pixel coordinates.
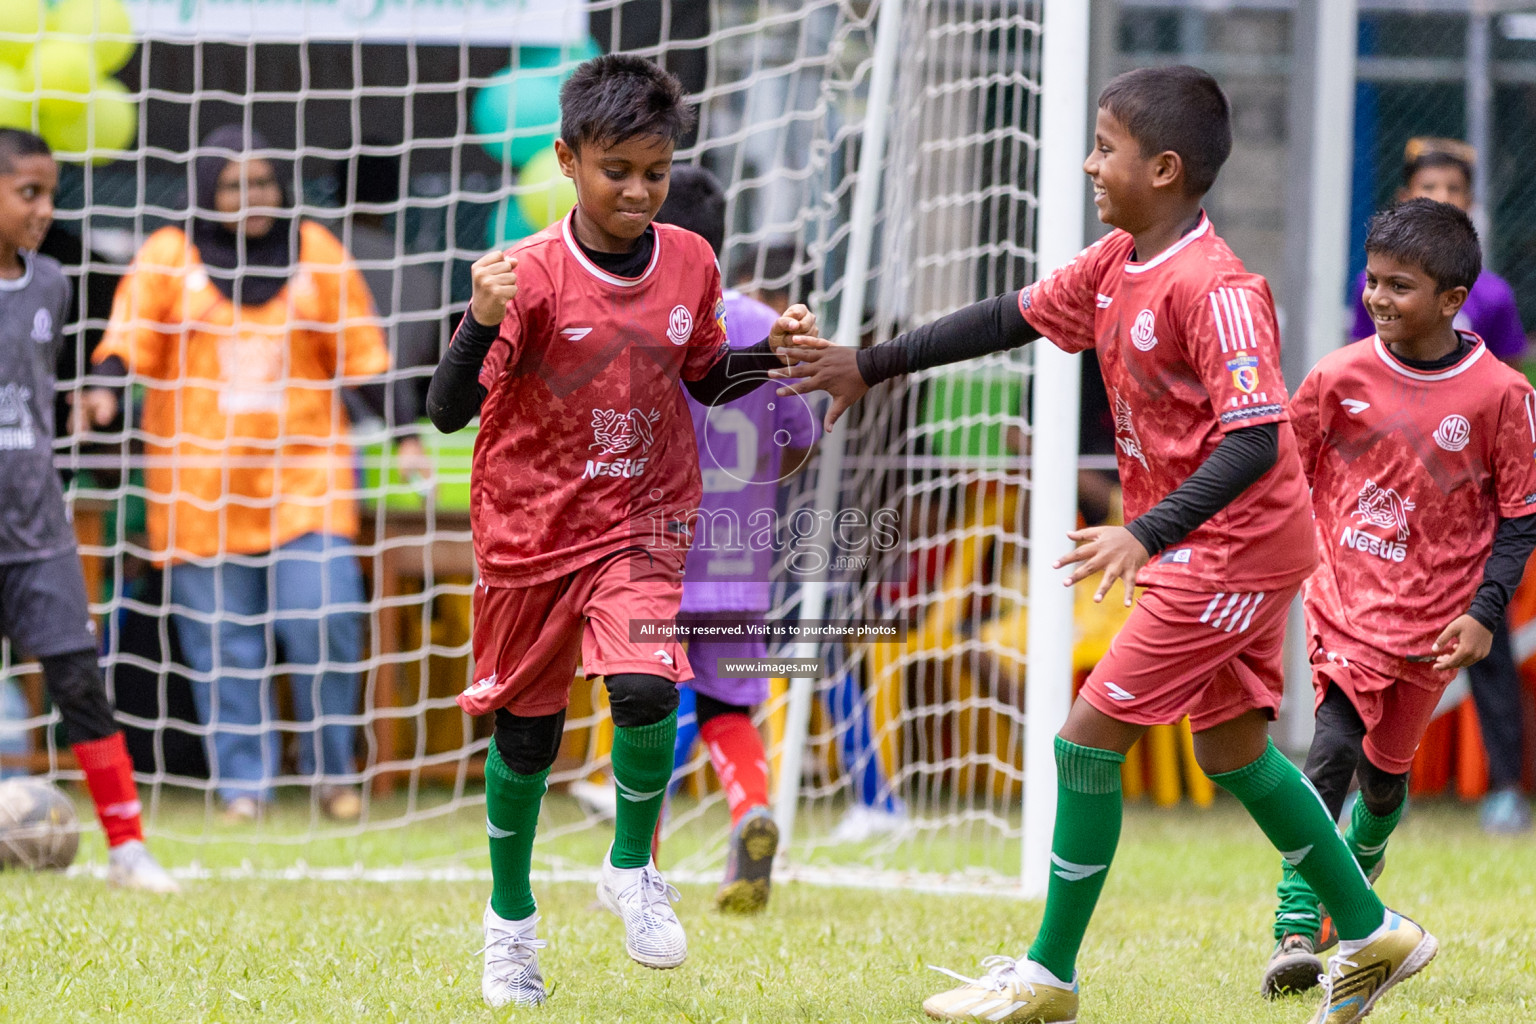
(43, 609)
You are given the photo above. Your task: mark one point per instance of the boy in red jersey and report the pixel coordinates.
(1218, 531)
(1420, 446)
(584, 475)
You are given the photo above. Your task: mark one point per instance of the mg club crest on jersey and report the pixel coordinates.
(679, 325)
(1453, 433)
(42, 326)
(1144, 331)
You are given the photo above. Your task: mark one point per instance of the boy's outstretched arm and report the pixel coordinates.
(740, 371)
(1469, 637)
(992, 325)
(455, 394)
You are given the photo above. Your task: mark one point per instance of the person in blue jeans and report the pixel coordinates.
(1441, 169)
(311, 590)
(244, 327)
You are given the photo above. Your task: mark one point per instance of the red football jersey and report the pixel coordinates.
(1189, 349)
(1411, 472)
(586, 444)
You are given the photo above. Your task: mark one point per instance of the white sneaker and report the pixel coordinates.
(860, 824)
(595, 798)
(130, 865)
(653, 935)
(511, 961)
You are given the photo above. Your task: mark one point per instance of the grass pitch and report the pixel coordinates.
(1181, 935)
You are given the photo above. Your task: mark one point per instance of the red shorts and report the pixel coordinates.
(1209, 656)
(1395, 713)
(528, 640)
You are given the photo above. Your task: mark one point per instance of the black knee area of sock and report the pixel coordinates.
(638, 698)
(1336, 749)
(1382, 791)
(528, 745)
(76, 689)
(706, 708)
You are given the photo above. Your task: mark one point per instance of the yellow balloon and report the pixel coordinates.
(15, 100)
(22, 18)
(102, 25)
(550, 194)
(62, 74)
(110, 121)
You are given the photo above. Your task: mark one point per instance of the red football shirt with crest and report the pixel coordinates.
(1189, 349)
(586, 443)
(1411, 471)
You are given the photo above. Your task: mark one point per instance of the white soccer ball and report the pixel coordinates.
(38, 826)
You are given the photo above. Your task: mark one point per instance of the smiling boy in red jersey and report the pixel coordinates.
(585, 469)
(1214, 493)
(1421, 450)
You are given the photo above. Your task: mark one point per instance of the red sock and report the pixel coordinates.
(109, 777)
(736, 750)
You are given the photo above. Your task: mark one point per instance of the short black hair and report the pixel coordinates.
(617, 97)
(1435, 158)
(1178, 108)
(16, 144)
(1436, 237)
(696, 201)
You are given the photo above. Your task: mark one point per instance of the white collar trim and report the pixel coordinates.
(1445, 374)
(1173, 250)
(568, 232)
(28, 260)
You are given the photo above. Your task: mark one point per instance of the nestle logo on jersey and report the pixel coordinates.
(1369, 543)
(627, 468)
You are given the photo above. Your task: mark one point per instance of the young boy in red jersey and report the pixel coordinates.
(584, 477)
(1420, 446)
(43, 604)
(1218, 532)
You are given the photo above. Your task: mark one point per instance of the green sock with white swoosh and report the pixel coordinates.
(1088, 810)
(511, 816)
(642, 767)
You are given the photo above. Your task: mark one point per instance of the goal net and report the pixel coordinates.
(421, 142)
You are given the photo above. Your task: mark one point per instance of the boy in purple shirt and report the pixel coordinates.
(745, 448)
(1441, 169)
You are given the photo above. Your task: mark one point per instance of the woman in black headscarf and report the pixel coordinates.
(244, 329)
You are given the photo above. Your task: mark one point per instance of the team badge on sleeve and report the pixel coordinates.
(720, 314)
(1245, 372)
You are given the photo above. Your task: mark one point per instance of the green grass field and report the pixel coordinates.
(1181, 935)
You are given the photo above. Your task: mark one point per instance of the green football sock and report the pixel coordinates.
(1368, 833)
(1291, 814)
(1297, 912)
(642, 767)
(511, 817)
(1088, 810)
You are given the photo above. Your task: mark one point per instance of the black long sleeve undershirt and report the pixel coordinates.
(1240, 458)
(736, 374)
(996, 325)
(455, 393)
(991, 325)
(1513, 542)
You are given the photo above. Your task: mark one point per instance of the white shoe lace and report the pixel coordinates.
(1002, 973)
(651, 896)
(511, 948)
(1335, 973)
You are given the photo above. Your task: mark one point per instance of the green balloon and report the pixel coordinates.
(15, 100)
(520, 110)
(21, 18)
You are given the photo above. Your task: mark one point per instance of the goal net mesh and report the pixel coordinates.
(912, 769)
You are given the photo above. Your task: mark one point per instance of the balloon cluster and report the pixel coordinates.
(56, 65)
(518, 113)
